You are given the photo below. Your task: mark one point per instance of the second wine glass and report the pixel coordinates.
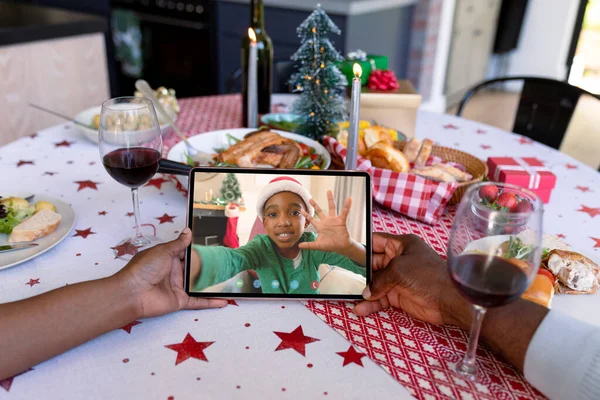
(130, 147)
(494, 252)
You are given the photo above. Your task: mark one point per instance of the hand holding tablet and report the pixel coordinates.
(299, 251)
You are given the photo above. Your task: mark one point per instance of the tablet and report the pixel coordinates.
(283, 234)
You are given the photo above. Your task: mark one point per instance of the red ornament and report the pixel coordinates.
(597, 245)
(232, 302)
(352, 356)
(383, 80)
(64, 143)
(294, 340)
(583, 188)
(189, 348)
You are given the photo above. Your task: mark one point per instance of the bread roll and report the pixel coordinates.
(574, 271)
(541, 291)
(342, 138)
(383, 155)
(42, 223)
(376, 134)
(434, 174)
(425, 152)
(455, 172)
(411, 149)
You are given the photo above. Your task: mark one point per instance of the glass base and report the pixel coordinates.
(466, 371)
(129, 247)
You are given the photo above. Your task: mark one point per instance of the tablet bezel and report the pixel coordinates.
(275, 173)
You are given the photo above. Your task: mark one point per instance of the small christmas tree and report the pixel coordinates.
(230, 189)
(318, 79)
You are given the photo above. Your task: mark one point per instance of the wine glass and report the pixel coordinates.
(130, 147)
(494, 252)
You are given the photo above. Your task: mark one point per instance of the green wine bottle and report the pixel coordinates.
(264, 63)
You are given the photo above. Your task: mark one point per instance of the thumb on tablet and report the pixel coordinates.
(383, 281)
(181, 243)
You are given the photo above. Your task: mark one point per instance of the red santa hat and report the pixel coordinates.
(283, 184)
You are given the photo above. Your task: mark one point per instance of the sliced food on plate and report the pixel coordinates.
(265, 148)
(23, 222)
(563, 272)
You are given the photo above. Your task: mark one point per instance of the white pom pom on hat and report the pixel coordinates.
(283, 184)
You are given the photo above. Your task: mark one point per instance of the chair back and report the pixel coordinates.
(545, 107)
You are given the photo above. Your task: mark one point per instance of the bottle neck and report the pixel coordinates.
(257, 20)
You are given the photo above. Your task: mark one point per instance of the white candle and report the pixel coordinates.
(210, 195)
(252, 105)
(352, 150)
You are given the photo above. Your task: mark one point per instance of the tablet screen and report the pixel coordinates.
(281, 234)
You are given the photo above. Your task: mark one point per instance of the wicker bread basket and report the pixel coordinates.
(473, 165)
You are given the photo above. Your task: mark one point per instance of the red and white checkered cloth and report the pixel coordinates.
(414, 196)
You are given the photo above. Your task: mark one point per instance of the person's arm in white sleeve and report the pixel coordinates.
(563, 358)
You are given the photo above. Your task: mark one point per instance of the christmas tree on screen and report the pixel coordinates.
(230, 188)
(318, 79)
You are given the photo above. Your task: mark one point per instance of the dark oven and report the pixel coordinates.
(168, 43)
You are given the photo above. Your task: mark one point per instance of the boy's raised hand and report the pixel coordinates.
(332, 229)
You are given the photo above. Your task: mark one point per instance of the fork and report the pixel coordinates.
(201, 157)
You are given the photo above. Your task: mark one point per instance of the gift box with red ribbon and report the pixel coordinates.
(526, 172)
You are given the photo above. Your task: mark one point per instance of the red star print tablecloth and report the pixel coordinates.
(260, 349)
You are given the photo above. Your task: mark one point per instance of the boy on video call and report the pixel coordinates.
(286, 259)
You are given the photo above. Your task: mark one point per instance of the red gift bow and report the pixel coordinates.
(383, 80)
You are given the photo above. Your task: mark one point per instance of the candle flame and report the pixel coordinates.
(252, 35)
(357, 70)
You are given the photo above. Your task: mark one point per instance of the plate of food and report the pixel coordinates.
(91, 116)
(251, 148)
(36, 224)
(562, 270)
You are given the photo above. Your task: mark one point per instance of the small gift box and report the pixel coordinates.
(526, 172)
(368, 63)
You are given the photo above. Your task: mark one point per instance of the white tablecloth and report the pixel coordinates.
(243, 361)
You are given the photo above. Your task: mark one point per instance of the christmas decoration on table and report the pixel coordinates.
(230, 189)
(368, 62)
(527, 172)
(383, 80)
(320, 82)
(232, 212)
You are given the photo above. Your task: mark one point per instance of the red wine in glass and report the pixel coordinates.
(130, 145)
(132, 167)
(493, 254)
(488, 281)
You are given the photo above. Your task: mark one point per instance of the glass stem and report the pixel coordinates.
(468, 366)
(139, 238)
